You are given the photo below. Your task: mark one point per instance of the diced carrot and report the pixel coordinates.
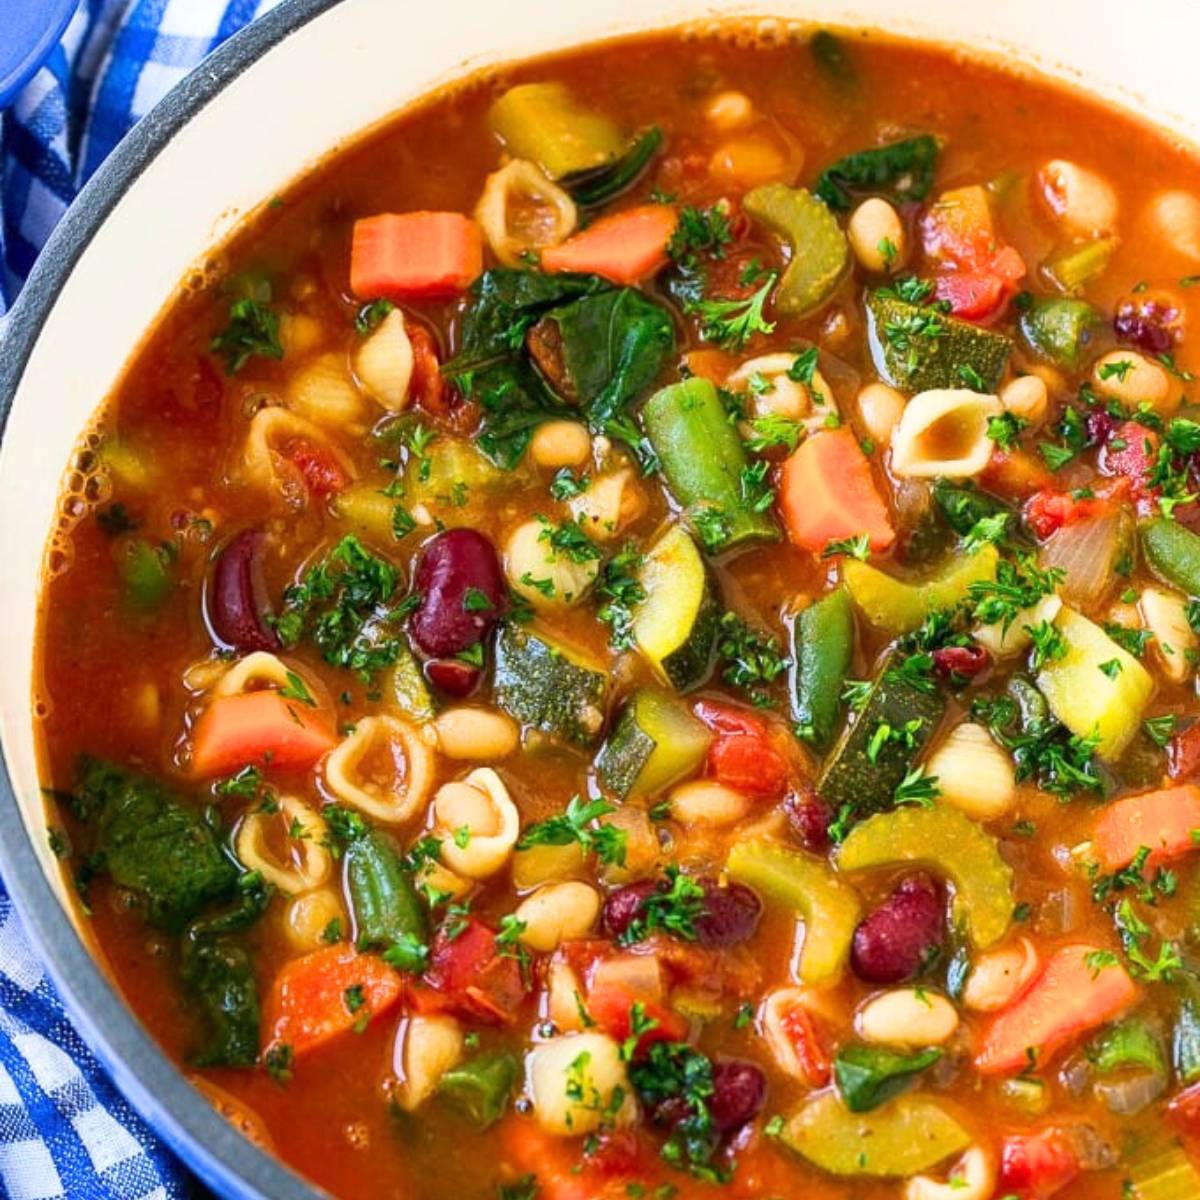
(714, 365)
(1080, 987)
(1166, 821)
(1184, 1111)
(259, 728)
(610, 1005)
(327, 993)
(826, 493)
(624, 248)
(414, 256)
(1016, 474)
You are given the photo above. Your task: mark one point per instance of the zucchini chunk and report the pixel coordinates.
(910, 357)
(822, 646)
(861, 777)
(541, 684)
(656, 742)
(676, 625)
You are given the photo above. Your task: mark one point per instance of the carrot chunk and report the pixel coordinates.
(327, 993)
(260, 728)
(1163, 821)
(826, 493)
(414, 256)
(624, 248)
(1079, 988)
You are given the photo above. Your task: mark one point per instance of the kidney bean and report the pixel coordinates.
(236, 603)
(1149, 324)
(452, 565)
(809, 818)
(731, 914)
(899, 938)
(961, 660)
(623, 906)
(739, 1093)
(453, 676)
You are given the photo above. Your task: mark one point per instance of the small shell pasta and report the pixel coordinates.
(557, 912)
(426, 1048)
(478, 823)
(257, 669)
(611, 502)
(774, 1022)
(944, 432)
(973, 1177)
(542, 216)
(323, 392)
(287, 847)
(271, 430)
(1165, 614)
(577, 1083)
(973, 773)
(1006, 641)
(384, 362)
(538, 572)
(383, 768)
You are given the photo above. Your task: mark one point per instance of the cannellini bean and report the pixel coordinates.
(1165, 614)
(530, 560)
(1132, 379)
(1175, 215)
(322, 391)
(296, 859)
(999, 976)
(877, 235)
(944, 432)
(391, 800)
(308, 918)
(479, 823)
(426, 1048)
(729, 110)
(578, 1083)
(557, 913)
(880, 408)
(1005, 642)
(611, 502)
(973, 773)
(477, 733)
(907, 1017)
(384, 362)
(703, 802)
(1027, 398)
(544, 216)
(972, 1178)
(560, 444)
(564, 1006)
(1083, 201)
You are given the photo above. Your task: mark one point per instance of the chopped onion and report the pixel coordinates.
(1087, 551)
(1130, 1094)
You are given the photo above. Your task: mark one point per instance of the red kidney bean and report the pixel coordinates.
(739, 1093)
(731, 914)
(1149, 324)
(961, 660)
(453, 676)
(809, 818)
(236, 603)
(623, 906)
(453, 565)
(899, 938)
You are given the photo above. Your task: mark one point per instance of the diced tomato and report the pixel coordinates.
(802, 1033)
(742, 756)
(971, 295)
(1050, 510)
(426, 385)
(319, 468)
(1131, 454)
(1183, 753)
(1034, 1166)
(1184, 1110)
(1015, 474)
(471, 975)
(611, 1006)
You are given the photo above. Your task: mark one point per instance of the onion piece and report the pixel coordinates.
(1087, 551)
(1130, 1094)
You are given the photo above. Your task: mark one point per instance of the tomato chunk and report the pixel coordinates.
(1035, 1166)
(742, 755)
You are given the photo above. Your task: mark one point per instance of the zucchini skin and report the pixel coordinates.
(382, 896)
(932, 362)
(822, 646)
(689, 666)
(703, 458)
(538, 685)
(850, 778)
(626, 763)
(1172, 553)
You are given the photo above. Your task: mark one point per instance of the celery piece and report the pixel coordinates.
(952, 845)
(820, 254)
(368, 511)
(1160, 1169)
(830, 908)
(913, 1133)
(1097, 689)
(543, 123)
(898, 606)
(1127, 1043)
(408, 686)
(1081, 264)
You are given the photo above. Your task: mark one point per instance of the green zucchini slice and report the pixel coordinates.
(656, 742)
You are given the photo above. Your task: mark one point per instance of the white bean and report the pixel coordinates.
(538, 572)
(1165, 613)
(877, 235)
(729, 110)
(704, 802)
(556, 913)
(477, 733)
(999, 976)
(907, 1017)
(578, 1083)
(974, 774)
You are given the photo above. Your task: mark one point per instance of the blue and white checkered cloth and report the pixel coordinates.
(64, 1129)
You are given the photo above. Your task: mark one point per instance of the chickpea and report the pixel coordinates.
(729, 111)
(1083, 201)
(556, 913)
(309, 916)
(575, 1081)
(476, 733)
(877, 235)
(1027, 398)
(880, 407)
(560, 444)
(1134, 380)
(1175, 216)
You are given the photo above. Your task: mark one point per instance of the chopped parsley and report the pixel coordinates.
(575, 824)
(253, 329)
(752, 659)
(731, 323)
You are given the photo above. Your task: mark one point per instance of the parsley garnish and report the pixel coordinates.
(857, 547)
(730, 323)
(753, 659)
(253, 329)
(575, 824)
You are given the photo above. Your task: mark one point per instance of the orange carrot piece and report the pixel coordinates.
(1164, 821)
(261, 728)
(624, 248)
(714, 365)
(414, 256)
(1075, 993)
(826, 493)
(327, 993)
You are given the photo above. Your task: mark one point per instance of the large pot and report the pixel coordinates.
(266, 107)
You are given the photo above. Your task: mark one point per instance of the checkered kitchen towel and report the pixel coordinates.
(64, 1130)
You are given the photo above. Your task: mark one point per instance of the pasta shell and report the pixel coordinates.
(944, 432)
(478, 822)
(545, 215)
(287, 847)
(395, 746)
(323, 392)
(384, 362)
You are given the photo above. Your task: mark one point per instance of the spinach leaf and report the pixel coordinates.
(480, 1088)
(515, 401)
(900, 171)
(599, 185)
(869, 1075)
(151, 843)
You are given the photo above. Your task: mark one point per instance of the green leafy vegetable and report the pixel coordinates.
(869, 1075)
(901, 171)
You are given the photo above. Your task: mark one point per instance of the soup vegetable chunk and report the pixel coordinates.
(642, 624)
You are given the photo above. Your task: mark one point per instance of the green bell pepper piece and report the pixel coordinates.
(147, 573)
(1128, 1043)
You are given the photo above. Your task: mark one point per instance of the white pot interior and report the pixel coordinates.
(350, 67)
